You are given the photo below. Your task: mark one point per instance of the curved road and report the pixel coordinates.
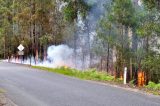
(30, 87)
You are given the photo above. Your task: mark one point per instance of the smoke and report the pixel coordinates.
(57, 56)
(60, 55)
(139, 2)
(85, 37)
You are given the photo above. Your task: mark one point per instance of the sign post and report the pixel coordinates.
(125, 75)
(21, 52)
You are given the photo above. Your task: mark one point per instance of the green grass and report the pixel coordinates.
(153, 88)
(86, 75)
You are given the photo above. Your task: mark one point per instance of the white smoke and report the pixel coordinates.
(139, 2)
(57, 56)
(60, 55)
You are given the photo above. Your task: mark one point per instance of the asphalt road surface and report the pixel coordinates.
(31, 87)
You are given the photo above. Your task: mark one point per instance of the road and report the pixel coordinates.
(31, 87)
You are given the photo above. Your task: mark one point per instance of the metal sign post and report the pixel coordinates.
(21, 52)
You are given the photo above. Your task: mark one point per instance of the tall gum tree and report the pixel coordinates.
(123, 15)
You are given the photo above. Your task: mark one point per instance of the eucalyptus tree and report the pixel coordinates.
(152, 3)
(73, 7)
(6, 26)
(34, 19)
(150, 34)
(106, 32)
(123, 15)
(44, 41)
(29, 20)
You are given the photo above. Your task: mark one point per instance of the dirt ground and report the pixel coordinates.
(5, 101)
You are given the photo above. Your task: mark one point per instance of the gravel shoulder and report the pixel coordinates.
(4, 101)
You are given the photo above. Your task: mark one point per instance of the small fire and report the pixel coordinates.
(66, 67)
(63, 65)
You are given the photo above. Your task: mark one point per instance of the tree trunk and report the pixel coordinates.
(89, 45)
(131, 72)
(4, 46)
(108, 52)
(45, 53)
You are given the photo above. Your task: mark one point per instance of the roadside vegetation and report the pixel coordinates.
(153, 88)
(86, 75)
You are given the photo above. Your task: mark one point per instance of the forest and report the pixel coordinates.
(104, 34)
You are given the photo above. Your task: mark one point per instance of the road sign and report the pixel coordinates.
(20, 47)
(21, 53)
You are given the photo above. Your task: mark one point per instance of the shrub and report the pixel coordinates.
(153, 86)
(131, 82)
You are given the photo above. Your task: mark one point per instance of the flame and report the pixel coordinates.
(62, 64)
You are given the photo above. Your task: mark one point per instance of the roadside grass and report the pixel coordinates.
(86, 75)
(153, 88)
